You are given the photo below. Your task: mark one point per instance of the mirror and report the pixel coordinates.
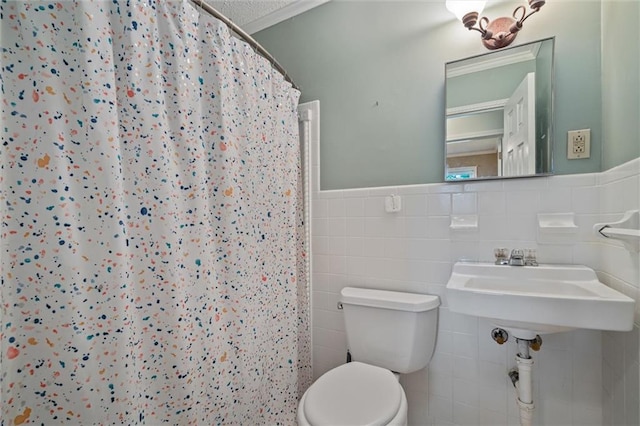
(499, 113)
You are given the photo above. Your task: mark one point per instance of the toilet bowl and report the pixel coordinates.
(354, 394)
(388, 333)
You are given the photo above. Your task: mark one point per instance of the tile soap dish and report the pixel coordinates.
(464, 222)
(558, 223)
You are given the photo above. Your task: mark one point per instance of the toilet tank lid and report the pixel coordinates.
(396, 300)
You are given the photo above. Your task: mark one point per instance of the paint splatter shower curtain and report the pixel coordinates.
(152, 238)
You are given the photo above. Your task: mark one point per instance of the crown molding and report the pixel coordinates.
(282, 14)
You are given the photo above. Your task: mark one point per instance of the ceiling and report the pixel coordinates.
(255, 15)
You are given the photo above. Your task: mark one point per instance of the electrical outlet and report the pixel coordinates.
(579, 144)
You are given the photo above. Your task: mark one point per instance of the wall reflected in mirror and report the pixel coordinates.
(499, 109)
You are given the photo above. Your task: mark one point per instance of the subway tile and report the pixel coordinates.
(414, 205)
(336, 264)
(632, 394)
(328, 320)
(355, 246)
(489, 417)
(336, 207)
(373, 247)
(438, 251)
(356, 265)
(319, 227)
(522, 202)
(464, 250)
(337, 246)
(319, 300)
(382, 191)
(374, 207)
(555, 412)
(444, 342)
(327, 194)
(483, 186)
(441, 364)
(465, 368)
(493, 227)
(462, 323)
(464, 392)
(585, 179)
(417, 412)
(621, 195)
(355, 227)
(336, 282)
(587, 369)
(465, 345)
(329, 338)
(417, 227)
(438, 227)
(320, 208)
(490, 203)
(521, 227)
(320, 245)
(440, 384)
(623, 171)
(336, 226)
(413, 189)
(439, 272)
(495, 374)
(556, 200)
(444, 188)
(440, 410)
(438, 204)
(445, 319)
(526, 184)
(632, 346)
(464, 203)
(588, 416)
(354, 207)
(585, 200)
(494, 398)
(355, 193)
(465, 415)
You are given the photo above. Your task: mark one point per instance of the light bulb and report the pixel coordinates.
(462, 7)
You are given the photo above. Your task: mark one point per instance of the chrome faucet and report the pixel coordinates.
(517, 257)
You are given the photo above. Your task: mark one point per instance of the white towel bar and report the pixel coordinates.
(627, 230)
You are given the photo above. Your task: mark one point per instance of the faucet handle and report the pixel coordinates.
(530, 257)
(502, 256)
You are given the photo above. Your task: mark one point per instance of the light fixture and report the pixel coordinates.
(498, 33)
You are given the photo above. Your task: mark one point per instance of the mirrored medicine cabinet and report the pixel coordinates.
(499, 113)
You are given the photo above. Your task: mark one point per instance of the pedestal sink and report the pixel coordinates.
(531, 300)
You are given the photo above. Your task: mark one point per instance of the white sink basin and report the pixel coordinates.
(530, 300)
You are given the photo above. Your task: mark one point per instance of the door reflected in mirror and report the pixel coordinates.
(499, 110)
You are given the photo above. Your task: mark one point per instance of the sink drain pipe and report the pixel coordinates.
(521, 377)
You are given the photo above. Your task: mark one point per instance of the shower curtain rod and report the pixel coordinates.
(252, 42)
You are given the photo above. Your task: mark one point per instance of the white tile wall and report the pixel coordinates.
(581, 377)
(619, 191)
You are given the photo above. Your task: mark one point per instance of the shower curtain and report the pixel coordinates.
(152, 241)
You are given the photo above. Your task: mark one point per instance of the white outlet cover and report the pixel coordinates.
(578, 144)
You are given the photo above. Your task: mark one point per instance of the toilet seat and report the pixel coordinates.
(354, 394)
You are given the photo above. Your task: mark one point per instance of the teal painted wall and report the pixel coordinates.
(487, 85)
(378, 70)
(620, 82)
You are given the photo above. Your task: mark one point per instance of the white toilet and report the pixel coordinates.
(388, 333)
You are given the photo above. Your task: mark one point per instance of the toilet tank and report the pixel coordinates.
(390, 329)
